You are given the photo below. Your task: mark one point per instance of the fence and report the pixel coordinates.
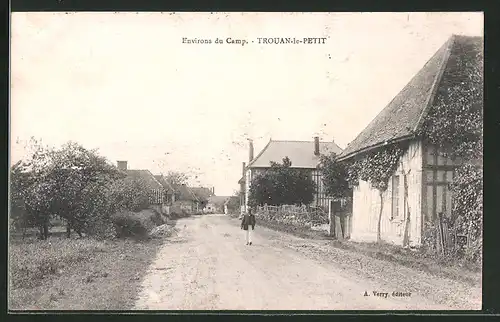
(296, 215)
(448, 239)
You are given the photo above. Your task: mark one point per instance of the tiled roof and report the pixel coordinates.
(146, 176)
(300, 153)
(404, 115)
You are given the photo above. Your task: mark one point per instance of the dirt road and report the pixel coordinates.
(207, 266)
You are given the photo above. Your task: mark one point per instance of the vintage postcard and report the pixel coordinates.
(246, 161)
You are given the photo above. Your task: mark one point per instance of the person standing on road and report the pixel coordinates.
(247, 221)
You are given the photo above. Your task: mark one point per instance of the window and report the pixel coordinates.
(395, 197)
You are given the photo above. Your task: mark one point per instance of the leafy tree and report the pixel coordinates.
(29, 203)
(69, 182)
(234, 201)
(281, 184)
(20, 218)
(334, 176)
(79, 177)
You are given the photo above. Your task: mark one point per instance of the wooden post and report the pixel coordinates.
(348, 225)
(334, 228)
(331, 226)
(68, 229)
(338, 225)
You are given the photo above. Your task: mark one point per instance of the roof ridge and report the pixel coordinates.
(259, 155)
(312, 141)
(446, 48)
(437, 80)
(328, 145)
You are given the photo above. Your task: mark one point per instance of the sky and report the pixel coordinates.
(126, 84)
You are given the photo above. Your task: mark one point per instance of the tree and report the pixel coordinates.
(234, 201)
(30, 205)
(176, 178)
(80, 178)
(70, 182)
(281, 184)
(334, 176)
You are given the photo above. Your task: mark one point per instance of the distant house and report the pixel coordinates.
(156, 190)
(185, 199)
(215, 204)
(203, 195)
(302, 154)
(169, 189)
(428, 171)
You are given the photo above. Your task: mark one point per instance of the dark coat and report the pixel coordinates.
(248, 220)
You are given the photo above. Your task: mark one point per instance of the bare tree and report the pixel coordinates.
(176, 177)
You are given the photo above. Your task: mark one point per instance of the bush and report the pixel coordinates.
(132, 224)
(156, 217)
(180, 213)
(129, 194)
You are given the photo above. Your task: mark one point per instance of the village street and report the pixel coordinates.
(207, 266)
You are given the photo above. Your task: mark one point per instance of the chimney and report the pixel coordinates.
(213, 191)
(316, 145)
(122, 165)
(250, 150)
(243, 165)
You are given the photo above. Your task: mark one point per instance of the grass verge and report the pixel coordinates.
(436, 265)
(77, 274)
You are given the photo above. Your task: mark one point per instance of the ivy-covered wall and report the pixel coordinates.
(367, 200)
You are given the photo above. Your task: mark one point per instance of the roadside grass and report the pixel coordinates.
(77, 273)
(303, 232)
(433, 264)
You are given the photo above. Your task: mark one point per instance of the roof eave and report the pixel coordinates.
(292, 167)
(375, 146)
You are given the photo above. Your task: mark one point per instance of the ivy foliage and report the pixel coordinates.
(282, 185)
(455, 120)
(376, 167)
(455, 125)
